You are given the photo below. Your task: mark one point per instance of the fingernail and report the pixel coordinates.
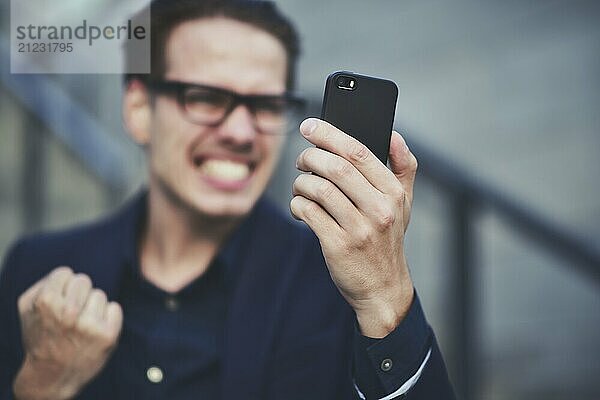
(308, 126)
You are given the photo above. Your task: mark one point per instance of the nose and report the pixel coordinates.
(238, 127)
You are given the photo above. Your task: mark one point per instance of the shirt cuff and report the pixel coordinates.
(389, 367)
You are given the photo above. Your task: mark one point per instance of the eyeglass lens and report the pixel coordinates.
(207, 106)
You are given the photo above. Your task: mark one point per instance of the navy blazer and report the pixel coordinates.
(289, 333)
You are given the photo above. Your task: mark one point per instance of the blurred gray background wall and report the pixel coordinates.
(506, 93)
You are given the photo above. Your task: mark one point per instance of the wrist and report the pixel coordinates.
(380, 316)
(37, 382)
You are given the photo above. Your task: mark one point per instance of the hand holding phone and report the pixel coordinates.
(358, 208)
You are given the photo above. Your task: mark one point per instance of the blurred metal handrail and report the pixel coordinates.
(468, 196)
(552, 237)
(67, 120)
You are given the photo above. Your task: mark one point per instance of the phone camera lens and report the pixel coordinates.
(341, 81)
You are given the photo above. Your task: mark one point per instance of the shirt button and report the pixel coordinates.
(386, 365)
(171, 303)
(154, 374)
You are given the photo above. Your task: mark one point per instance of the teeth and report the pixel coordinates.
(225, 170)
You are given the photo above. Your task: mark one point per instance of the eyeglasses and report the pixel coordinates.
(209, 105)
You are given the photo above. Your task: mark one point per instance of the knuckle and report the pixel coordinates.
(326, 133)
(325, 190)
(397, 194)
(385, 218)
(341, 169)
(310, 208)
(63, 269)
(83, 280)
(358, 152)
(61, 272)
(99, 294)
(45, 300)
(362, 237)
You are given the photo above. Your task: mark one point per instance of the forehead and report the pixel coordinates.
(224, 52)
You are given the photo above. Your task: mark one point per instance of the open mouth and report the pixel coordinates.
(224, 173)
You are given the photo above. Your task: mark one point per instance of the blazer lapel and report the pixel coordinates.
(121, 246)
(255, 305)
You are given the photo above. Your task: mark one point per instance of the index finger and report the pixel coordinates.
(54, 278)
(326, 136)
(25, 302)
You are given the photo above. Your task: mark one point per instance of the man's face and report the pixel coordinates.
(217, 171)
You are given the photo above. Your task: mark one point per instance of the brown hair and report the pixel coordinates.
(165, 15)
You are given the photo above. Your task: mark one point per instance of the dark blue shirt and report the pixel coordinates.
(170, 342)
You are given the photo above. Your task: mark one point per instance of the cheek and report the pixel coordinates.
(168, 142)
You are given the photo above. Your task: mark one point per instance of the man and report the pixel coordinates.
(200, 288)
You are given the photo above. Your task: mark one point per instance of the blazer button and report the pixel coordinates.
(154, 374)
(386, 365)
(171, 303)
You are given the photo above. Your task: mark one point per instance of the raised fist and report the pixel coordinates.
(69, 329)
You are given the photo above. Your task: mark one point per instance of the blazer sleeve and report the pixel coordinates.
(433, 383)
(10, 333)
(393, 366)
(314, 353)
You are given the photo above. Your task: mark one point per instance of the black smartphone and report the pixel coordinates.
(363, 107)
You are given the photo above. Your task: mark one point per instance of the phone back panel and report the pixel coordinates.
(366, 112)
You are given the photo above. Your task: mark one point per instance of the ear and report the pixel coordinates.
(137, 112)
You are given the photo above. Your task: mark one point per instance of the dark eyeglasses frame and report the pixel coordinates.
(178, 89)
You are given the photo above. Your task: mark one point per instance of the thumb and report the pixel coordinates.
(402, 162)
(404, 166)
